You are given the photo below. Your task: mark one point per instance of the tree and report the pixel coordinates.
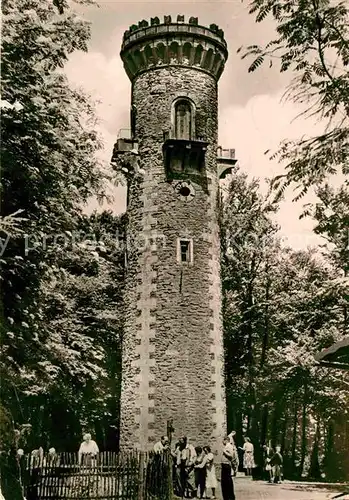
(72, 382)
(49, 169)
(331, 214)
(82, 308)
(247, 240)
(281, 308)
(306, 318)
(312, 43)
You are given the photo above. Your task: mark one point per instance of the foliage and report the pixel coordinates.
(312, 43)
(63, 272)
(83, 311)
(49, 143)
(302, 298)
(331, 214)
(281, 307)
(246, 235)
(50, 168)
(69, 376)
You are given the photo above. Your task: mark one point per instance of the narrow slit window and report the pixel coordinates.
(185, 256)
(185, 251)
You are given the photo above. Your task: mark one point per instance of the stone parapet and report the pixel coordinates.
(146, 47)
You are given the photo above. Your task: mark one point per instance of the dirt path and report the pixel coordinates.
(246, 489)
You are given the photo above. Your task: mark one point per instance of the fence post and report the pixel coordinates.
(141, 489)
(170, 477)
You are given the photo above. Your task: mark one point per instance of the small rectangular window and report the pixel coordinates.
(184, 251)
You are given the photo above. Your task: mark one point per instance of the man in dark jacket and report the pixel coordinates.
(229, 463)
(276, 462)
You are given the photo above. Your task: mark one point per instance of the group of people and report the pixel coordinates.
(194, 468)
(87, 454)
(194, 471)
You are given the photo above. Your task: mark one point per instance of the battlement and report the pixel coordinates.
(144, 28)
(149, 45)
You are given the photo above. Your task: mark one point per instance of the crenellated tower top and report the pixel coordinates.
(147, 46)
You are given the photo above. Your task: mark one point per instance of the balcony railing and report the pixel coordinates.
(170, 135)
(227, 154)
(124, 133)
(125, 143)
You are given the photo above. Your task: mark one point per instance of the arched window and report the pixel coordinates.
(183, 120)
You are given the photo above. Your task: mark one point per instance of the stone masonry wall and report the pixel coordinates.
(173, 349)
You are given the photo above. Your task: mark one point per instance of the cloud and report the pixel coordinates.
(105, 80)
(261, 125)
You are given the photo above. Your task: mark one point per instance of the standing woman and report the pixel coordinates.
(248, 449)
(88, 451)
(211, 480)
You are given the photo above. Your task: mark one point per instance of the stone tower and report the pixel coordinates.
(173, 349)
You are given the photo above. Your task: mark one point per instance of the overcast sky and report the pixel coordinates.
(252, 118)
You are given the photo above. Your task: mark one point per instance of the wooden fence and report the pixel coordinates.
(112, 476)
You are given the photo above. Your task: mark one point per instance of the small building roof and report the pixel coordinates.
(336, 356)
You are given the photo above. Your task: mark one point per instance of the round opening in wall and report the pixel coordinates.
(184, 191)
